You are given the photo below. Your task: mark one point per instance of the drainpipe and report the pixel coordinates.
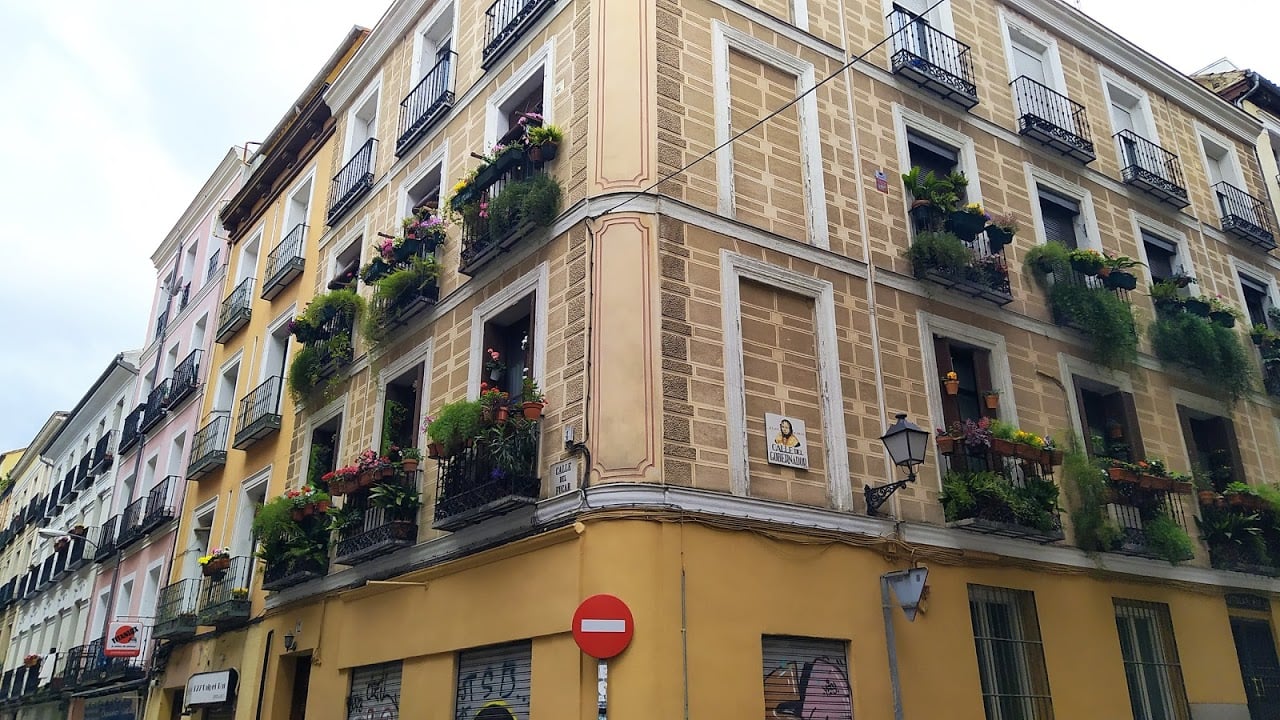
(890, 641)
(262, 679)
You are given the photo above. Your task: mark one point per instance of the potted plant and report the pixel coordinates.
(1000, 231)
(1166, 539)
(1222, 312)
(456, 423)
(992, 399)
(1259, 333)
(240, 593)
(933, 197)
(974, 435)
(968, 221)
(1197, 306)
(494, 404)
(951, 383)
(61, 544)
(1087, 262)
(400, 502)
(938, 251)
(533, 401)
(1117, 275)
(544, 142)
(217, 562)
(493, 365)
(1048, 259)
(1180, 279)
(342, 518)
(1164, 295)
(409, 459)
(79, 531)
(32, 660)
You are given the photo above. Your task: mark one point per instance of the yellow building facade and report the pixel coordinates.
(725, 326)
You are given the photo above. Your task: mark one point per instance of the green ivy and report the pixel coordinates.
(1210, 350)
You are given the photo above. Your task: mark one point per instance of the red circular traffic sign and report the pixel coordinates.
(603, 626)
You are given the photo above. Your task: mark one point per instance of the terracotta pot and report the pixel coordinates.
(388, 471)
(323, 507)
(1208, 498)
(532, 411)
(409, 465)
(993, 401)
(296, 515)
(1028, 452)
(1119, 474)
(216, 566)
(366, 478)
(503, 412)
(1180, 487)
(946, 445)
(951, 386)
(1003, 447)
(1050, 457)
(1115, 432)
(1154, 482)
(436, 451)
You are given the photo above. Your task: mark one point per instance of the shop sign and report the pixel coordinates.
(115, 707)
(786, 440)
(211, 688)
(124, 639)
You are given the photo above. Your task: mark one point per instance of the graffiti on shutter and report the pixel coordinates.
(806, 679)
(493, 682)
(375, 692)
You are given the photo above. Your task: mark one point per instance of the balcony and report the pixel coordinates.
(176, 610)
(106, 541)
(154, 408)
(162, 324)
(1142, 513)
(186, 378)
(1152, 169)
(259, 413)
(45, 574)
(65, 490)
(377, 532)
(77, 556)
(102, 458)
(131, 524)
(426, 103)
(287, 574)
(224, 599)
(235, 311)
(932, 59)
(129, 434)
(488, 479)
(984, 276)
(505, 22)
(285, 262)
(352, 182)
(162, 503)
(1245, 216)
(486, 237)
(1053, 120)
(331, 361)
(88, 667)
(209, 447)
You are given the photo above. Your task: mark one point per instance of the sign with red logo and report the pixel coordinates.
(603, 626)
(124, 639)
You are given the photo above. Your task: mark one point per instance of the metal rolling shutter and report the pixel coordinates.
(227, 713)
(806, 678)
(493, 682)
(375, 692)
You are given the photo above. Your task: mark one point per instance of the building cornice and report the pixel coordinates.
(124, 365)
(201, 206)
(368, 59)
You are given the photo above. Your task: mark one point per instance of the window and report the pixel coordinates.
(401, 408)
(1128, 111)
(324, 446)
(298, 209)
(1034, 56)
(275, 355)
(1061, 218)
(198, 332)
(929, 154)
(150, 592)
(189, 262)
(124, 607)
(424, 194)
(1256, 299)
(510, 335)
(215, 262)
(248, 267)
(198, 544)
(972, 366)
(1151, 665)
(1212, 446)
(1006, 633)
(1109, 421)
(226, 397)
(434, 43)
(363, 122)
(527, 100)
(176, 461)
(1162, 256)
(805, 678)
(252, 497)
(345, 265)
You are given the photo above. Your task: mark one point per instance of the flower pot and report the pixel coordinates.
(501, 413)
(998, 238)
(992, 401)
(1120, 280)
(436, 451)
(1169, 306)
(495, 374)
(366, 478)
(61, 544)
(1181, 487)
(1005, 448)
(1119, 474)
(546, 152)
(1154, 482)
(409, 465)
(31, 663)
(1028, 452)
(924, 216)
(1208, 498)
(1051, 457)
(532, 411)
(322, 507)
(1196, 306)
(486, 415)
(946, 445)
(1086, 266)
(1223, 318)
(1115, 432)
(966, 225)
(216, 566)
(387, 472)
(952, 386)
(1256, 338)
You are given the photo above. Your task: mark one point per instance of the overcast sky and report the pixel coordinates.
(115, 113)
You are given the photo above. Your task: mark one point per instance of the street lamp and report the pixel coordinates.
(56, 534)
(907, 445)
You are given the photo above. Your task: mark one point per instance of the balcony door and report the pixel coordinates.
(915, 40)
(1259, 665)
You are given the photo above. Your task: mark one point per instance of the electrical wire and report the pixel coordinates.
(676, 173)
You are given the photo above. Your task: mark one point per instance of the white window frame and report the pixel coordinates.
(309, 177)
(208, 507)
(260, 479)
(437, 161)
(374, 88)
(998, 365)
(355, 235)
(237, 358)
(536, 281)
(543, 62)
(1011, 25)
(258, 235)
(1258, 275)
(940, 17)
(906, 119)
(337, 408)
(1205, 135)
(420, 355)
(1036, 178)
(1070, 366)
(1142, 222)
(725, 38)
(1109, 79)
(428, 23)
(275, 324)
(735, 268)
(158, 564)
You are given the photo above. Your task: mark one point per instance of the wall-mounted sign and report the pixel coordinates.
(211, 688)
(124, 639)
(564, 477)
(115, 707)
(882, 181)
(786, 443)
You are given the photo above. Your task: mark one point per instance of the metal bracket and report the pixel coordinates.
(879, 494)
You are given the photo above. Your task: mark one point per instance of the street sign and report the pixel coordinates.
(603, 626)
(124, 639)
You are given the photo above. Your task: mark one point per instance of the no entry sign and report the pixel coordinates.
(602, 626)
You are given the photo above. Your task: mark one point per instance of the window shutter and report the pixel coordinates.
(1085, 432)
(1228, 430)
(950, 407)
(493, 683)
(806, 678)
(982, 369)
(375, 691)
(1128, 415)
(1189, 437)
(1059, 216)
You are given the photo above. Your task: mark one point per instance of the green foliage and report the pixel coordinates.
(989, 496)
(455, 423)
(304, 372)
(535, 199)
(1212, 351)
(941, 251)
(540, 134)
(1044, 260)
(1232, 536)
(341, 518)
(1086, 486)
(1104, 318)
(395, 289)
(326, 306)
(319, 463)
(1002, 430)
(943, 193)
(394, 413)
(1168, 540)
(400, 501)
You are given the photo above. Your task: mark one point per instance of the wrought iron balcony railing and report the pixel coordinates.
(932, 59)
(426, 102)
(87, 666)
(378, 532)
(131, 523)
(162, 323)
(285, 262)
(65, 491)
(103, 456)
(235, 311)
(985, 276)
(1152, 169)
(215, 264)
(77, 556)
(1134, 508)
(162, 503)
(1053, 119)
(129, 434)
(490, 478)
(84, 471)
(186, 378)
(209, 446)
(292, 572)
(352, 182)
(330, 361)
(505, 22)
(154, 408)
(1245, 216)
(259, 413)
(482, 241)
(224, 599)
(106, 540)
(184, 296)
(176, 610)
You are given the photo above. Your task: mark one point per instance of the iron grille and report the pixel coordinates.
(482, 240)
(154, 408)
(186, 377)
(1135, 508)
(102, 456)
(932, 59)
(106, 546)
(176, 609)
(352, 181)
(1151, 666)
(1151, 168)
(1053, 119)
(1245, 216)
(162, 323)
(492, 477)
(209, 447)
(129, 434)
(378, 531)
(426, 102)
(224, 599)
(1035, 517)
(214, 263)
(1006, 634)
(504, 22)
(131, 523)
(285, 262)
(259, 412)
(162, 503)
(235, 310)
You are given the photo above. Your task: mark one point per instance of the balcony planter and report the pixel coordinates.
(992, 400)
(1223, 318)
(546, 152)
(1122, 475)
(1028, 452)
(951, 386)
(946, 444)
(216, 567)
(1154, 482)
(997, 238)
(1209, 498)
(1197, 307)
(227, 612)
(532, 411)
(966, 225)
(1004, 448)
(1084, 264)
(1120, 280)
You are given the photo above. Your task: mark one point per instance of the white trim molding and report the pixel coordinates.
(723, 39)
(536, 281)
(1163, 231)
(733, 269)
(422, 354)
(543, 60)
(905, 119)
(1037, 177)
